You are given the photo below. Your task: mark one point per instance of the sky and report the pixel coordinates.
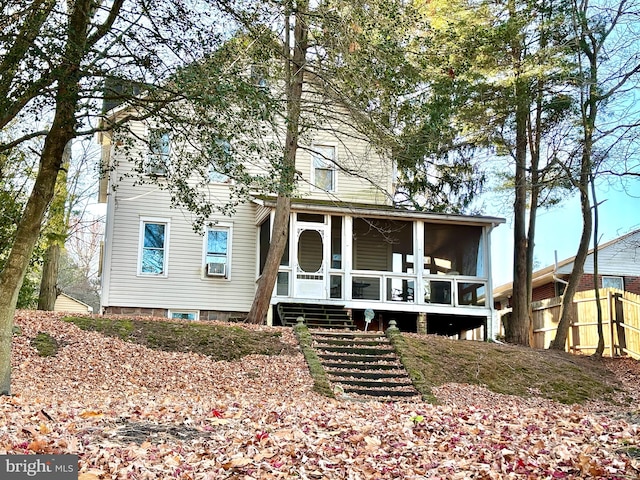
(559, 229)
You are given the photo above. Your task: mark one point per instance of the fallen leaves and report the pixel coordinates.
(132, 412)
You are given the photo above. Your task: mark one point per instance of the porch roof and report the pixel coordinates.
(379, 211)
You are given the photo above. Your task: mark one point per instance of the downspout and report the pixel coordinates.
(555, 269)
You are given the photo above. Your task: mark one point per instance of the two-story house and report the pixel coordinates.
(349, 246)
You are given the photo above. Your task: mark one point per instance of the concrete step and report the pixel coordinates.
(362, 365)
(380, 351)
(365, 374)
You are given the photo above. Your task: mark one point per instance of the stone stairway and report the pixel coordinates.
(362, 365)
(315, 316)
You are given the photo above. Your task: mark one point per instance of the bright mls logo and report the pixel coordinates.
(39, 467)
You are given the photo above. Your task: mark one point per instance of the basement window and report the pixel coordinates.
(184, 314)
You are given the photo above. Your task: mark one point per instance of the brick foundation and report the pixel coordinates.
(163, 312)
(136, 311)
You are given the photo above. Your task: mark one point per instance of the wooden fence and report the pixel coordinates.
(620, 323)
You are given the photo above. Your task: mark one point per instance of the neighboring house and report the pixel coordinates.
(618, 267)
(348, 246)
(65, 303)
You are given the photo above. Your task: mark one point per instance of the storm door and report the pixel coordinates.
(311, 265)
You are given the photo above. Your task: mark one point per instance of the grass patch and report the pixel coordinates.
(220, 342)
(45, 344)
(320, 382)
(632, 452)
(432, 361)
(413, 368)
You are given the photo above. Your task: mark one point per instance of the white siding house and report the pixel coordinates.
(348, 246)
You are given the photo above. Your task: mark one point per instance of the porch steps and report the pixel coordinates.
(315, 316)
(362, 366)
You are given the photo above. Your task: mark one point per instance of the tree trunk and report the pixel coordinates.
(567, 308)
(49, 281)
(27, 233)
(517, 330)
(280, 229)
(596, 284)
(57, 231)
(279, 235)
(589, 111)
(28, 228)
(518, 327)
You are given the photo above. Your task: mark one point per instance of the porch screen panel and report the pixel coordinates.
(336, 242)
(370, 251)
(453, 250)
(265, 240)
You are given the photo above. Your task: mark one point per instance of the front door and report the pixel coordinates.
(310, 264)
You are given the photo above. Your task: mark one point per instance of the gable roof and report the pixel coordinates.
(66, 302)
(563, 267)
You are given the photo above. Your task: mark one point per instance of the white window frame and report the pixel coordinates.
(218, 226)
(220, 180)
(319, 161)
(181, 311)
(212, 171)
(157, 163)
(165, 261)
(612, 277)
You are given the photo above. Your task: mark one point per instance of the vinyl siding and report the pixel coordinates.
(369, 180)
(67, 304)
(185, 286)
(621, 258)
(370, 174)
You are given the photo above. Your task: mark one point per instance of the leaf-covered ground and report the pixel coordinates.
(132, 412)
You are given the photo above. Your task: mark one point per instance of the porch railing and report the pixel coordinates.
(394, 287)
(376, 286)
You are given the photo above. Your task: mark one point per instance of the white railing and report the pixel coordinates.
(436, 289)
(377, 286)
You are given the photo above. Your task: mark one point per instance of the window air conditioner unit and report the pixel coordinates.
(216, 269)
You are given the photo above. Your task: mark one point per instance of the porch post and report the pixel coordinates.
(422, 323)
(347, 255)
(418, 264)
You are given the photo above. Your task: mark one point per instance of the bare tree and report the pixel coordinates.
(605, 37)
(54, 59)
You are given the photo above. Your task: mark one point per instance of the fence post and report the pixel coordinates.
(612, 347)
(620, 321)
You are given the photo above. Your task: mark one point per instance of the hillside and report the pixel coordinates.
(144, 412)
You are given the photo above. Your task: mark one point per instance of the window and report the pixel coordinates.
(217, 253)
(259, 75)
(324, 168)
(154, 237)
(613, 282)
(220, 162)
(159, 149)
(184, 314)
